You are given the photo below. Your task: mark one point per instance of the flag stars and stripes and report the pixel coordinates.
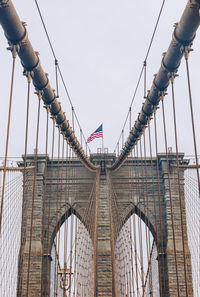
(98, 133)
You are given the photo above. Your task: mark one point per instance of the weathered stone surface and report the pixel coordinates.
(104, 260)
(152, 197)
(68, 188)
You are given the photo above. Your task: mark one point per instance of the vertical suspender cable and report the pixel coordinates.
(24, 183)
(145, 78)
(171, 204)
(57, 220)
(135, 236)
(122, 138)
(131, 237)
(186, 55)
(179, 187)
(61, 204)
(162, 255)
(81, 135)
(56, 72)
(145, 221)
(33, 195)
(139, 218)
(45, 197)
(67, 175)
(73, 119)
(130, 119)
(50, 196)
(148, 244)
(14, 55)
(153, 195)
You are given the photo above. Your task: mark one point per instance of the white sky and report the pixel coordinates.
(100, 46)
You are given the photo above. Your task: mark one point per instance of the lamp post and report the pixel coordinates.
(65, 279)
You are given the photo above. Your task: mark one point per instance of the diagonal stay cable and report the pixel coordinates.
(135, 92)
(143, 67)
(59, 69)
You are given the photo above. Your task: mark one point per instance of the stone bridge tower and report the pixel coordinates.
(71, 176)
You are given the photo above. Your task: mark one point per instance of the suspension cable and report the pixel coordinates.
(154, 196)
(14, 55)
(45, 196)
(182, 38)
(57, 65)
(28, 75)
(50, 189)
(143, 66)
(170, 196)
(57, 219)
(147, 222)
(186, 55)
(179, 185)
(33, 194)
(161, 223)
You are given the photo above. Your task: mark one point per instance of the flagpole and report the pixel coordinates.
(102, 141)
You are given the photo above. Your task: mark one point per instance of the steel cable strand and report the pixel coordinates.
(33, 196)
(143, 68)
(193, 223)
(10, 237)
(49, 200)
(58, 69)
(61, 198)
(71, 236)
(154, 197)
(44, 217)
(145, 171)
(30, 61)
(149, 271)
(186, 55)
(66, 215)
(57, 220)
(130, 238)
(86, 244)
(161, 223)
(146, 211)
(139, 194)
(85, 215)
(179, 187)
(170, 195)
(183, 36)
(14, 55)
(20, 288)
(134, 225)
(124, 238)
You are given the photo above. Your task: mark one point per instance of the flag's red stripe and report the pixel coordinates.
(95, 135)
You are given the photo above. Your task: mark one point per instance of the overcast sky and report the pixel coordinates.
(100, 46)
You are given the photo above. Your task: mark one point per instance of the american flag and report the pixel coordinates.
(98, 133)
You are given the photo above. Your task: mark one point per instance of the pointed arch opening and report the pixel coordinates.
(137, 271)
(72, 252)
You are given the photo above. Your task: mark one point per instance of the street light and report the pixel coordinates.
(65, 279)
